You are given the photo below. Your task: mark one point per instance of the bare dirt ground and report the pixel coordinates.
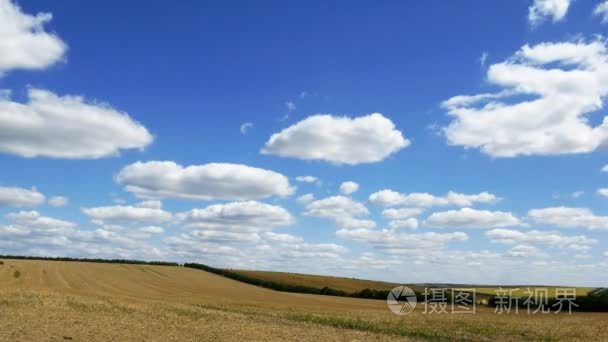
(62, 301)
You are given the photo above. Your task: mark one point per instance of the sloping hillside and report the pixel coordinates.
(157, 283)
(59, 301)
(348, 285)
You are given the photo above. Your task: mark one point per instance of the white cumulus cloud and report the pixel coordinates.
(19, 197)
(525, 251)
(540, 10)
(392, 242)
(306, 198)
(354, 223)
(472, 218)
(338, 140)
(282, 238)
(555, 239)
(24, 43)
(347, 188)
(33, 220)
(401, 213)
(390, 198)
(409, 223)
(336, 207)
(234, 222)
(166, 179)
(567, 217)
(249, 215)
(66, 127)
(549, 90)
(127, 213)
(601, 10)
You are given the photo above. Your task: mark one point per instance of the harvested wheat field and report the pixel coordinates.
(57, 301)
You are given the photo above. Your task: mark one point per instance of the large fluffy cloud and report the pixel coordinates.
(567, 217)
(472, 218)
(166, 179)
(24, 44)
(126, 213)
(19, 197)
(543, 9)
(389, 198)
(548, 92)
(338, 140)
(66, 127)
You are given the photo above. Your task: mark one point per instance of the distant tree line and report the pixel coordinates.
(104, 261)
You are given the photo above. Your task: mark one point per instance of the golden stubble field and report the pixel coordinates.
(60, 301)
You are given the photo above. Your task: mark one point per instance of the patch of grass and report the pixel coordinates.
(366, 325)
(16, 274)
(487, 327)
(358, 323)
(106, 307)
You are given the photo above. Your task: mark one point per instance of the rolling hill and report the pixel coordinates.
(59, 301)
(348, 285)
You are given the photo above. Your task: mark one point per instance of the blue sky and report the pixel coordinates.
(179, 133)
